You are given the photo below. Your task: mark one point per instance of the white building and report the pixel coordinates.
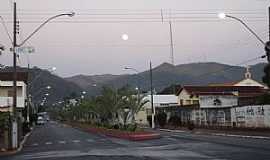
(159, 101)
(248, 81)
(6, 95)
(6, 90)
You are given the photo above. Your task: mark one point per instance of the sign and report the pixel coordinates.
(26, 49)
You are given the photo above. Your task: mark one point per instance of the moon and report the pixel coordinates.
(125, 37)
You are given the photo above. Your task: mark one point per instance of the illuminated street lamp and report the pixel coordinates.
(223, 16)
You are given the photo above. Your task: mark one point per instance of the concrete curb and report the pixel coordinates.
(217, 134)
(20, 146)
(240, 136)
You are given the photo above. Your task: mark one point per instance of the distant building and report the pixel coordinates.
(247, 81)
(159, 102)
(6, 91)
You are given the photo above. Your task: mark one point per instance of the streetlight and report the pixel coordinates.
(137, 74)
(223, 16)
(15, 46)
(71, 14)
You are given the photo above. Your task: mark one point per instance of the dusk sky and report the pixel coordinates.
(90, 42)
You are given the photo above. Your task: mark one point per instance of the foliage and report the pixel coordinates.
(266, 77)
(4, 119)
(162, 119)
(174, 120)
(264, 99)
(114, 108)
(149, 119)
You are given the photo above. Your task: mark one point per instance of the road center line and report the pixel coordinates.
(48, 143)
(90, 140)
(62, 142)
(35, 144)
(76, 141)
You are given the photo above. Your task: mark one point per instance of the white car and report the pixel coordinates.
(40, 121)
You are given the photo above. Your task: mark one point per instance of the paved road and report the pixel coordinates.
(56, 141)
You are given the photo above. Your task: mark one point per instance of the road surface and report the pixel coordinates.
(55, 141)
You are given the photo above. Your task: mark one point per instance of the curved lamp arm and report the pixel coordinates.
(247, 27)
(71, 14)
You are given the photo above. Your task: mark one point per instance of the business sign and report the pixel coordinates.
(26, 49)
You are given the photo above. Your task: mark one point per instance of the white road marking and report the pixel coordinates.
(35, 144)
(48, 143)
(76, 141)
(62, 142)
(240, 136)
(172, 139)
(90, 140)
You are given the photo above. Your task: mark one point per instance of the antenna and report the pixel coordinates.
(171, 44)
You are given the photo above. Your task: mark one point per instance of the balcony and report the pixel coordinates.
(8, 101)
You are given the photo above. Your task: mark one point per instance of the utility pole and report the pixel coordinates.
(152, 99)
(14, 130)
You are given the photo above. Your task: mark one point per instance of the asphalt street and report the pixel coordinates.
(57, 141)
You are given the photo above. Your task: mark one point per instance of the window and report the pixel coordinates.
(181, 102)
(10, 93)
(195, 101)
(217, 102)
(188, 101)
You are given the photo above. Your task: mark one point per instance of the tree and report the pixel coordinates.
(162, 119)
(266, 77)
(130, 104)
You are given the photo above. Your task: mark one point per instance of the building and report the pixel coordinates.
(160, 103)
(190, 95)
(246, 81)
(211, 105)
(6, 106)
(6, 91)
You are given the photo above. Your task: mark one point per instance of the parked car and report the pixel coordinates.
(40, 121)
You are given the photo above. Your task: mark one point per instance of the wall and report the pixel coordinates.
(207, 101)
(185, 96)
(6, 100)
(251, 116)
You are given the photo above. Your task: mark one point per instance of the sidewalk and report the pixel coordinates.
(230, 133)
(10, 152)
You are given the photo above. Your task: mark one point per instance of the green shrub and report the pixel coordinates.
(162, 119)
(174, 121)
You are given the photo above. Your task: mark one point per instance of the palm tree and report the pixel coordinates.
(130, 104)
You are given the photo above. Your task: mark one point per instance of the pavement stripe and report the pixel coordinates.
(90, 140)
(76, 141)
(240, 136)
(62, 142)
(35, 144)
(48, 143)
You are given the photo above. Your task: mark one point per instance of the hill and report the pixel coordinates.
(39, 79)
(166, 74)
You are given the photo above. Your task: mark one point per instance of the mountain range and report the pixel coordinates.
(164, 75)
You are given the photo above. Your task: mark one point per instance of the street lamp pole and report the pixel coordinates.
(152, 99)
(14, 132)
(138, 76)
(266, 45)
(223, 15)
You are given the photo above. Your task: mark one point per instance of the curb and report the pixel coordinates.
(218, 134)
(119, 134)
(240, 136)
(20, 146)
